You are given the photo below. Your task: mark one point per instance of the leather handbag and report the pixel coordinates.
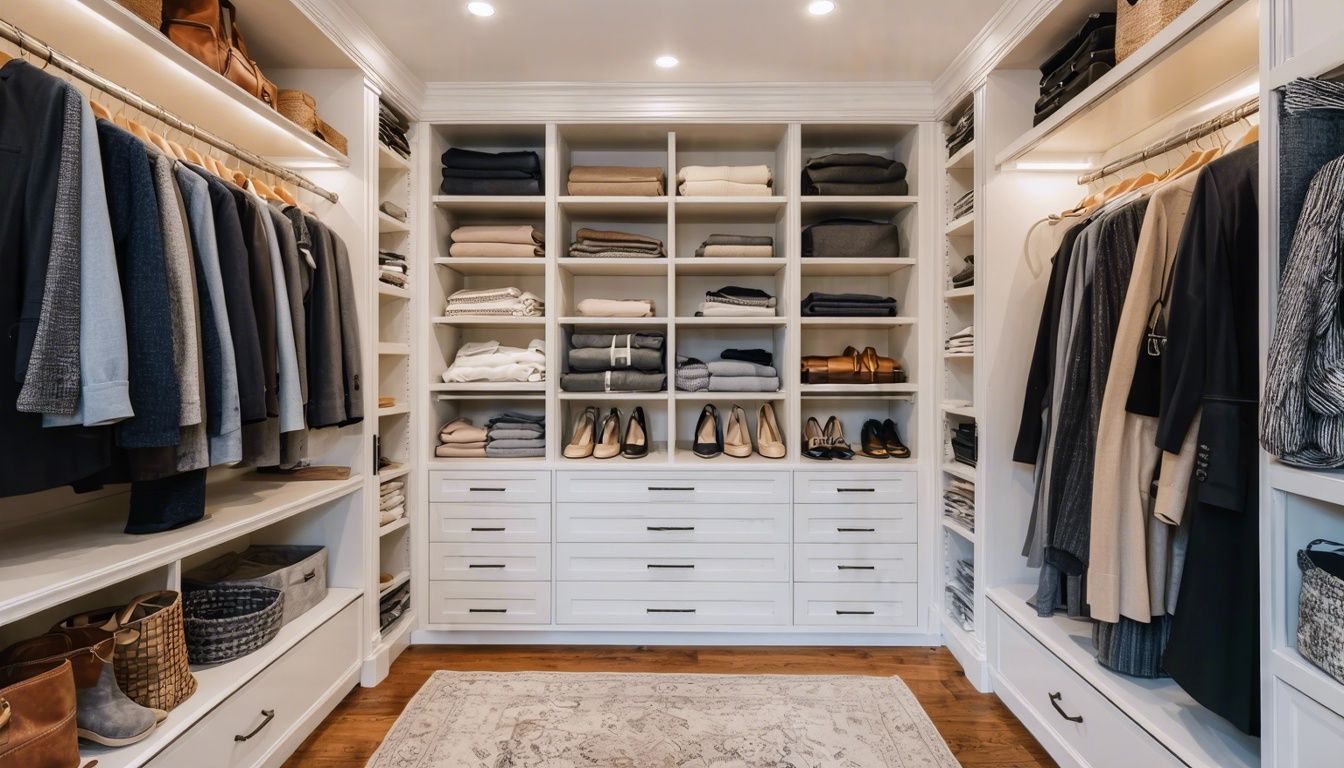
(37, 717)
(209, 31)
(852, 367)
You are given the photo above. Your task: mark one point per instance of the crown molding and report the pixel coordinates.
(347, 30)
(639, 102)
(1008, 27)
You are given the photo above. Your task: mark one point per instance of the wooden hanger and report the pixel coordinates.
(286, 196)
(1248, 138)
(4, 58)
(99, 111)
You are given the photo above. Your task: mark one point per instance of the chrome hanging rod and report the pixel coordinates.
(1166, 145)
(53, 57)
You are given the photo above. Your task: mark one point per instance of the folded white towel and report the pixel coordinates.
(717, 309)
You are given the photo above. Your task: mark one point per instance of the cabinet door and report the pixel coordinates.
(1306, 734)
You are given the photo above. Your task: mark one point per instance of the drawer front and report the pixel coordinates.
(507, 487)
(682, 523)
(704, 487)
(855, 487)
(857, 523)
(286, 689)
(672, 562)
(1306, 735)
(856, 605)
(855, 562)
(484, 602)
(490, 562)
(1101, 734)
(709, 603)
(468, 522)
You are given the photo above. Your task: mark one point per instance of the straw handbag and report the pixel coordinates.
(1137, 21)
(301, 108)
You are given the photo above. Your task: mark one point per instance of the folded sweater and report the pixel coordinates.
(639, 339)
(743, 383)
(851, 238)
(614, 381)
(592, 360)
(615, 307)
(740, 174)
(739, 368)
(736, 251)
(722, 189)
(525, 160)
(523, 234)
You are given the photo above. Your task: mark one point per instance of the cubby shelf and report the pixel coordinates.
(393, 292)
(502, 206)
(386, 589)
(962, 471)
(718, 266)
(962, 159)
(855, 266)
(389, 160)
(858, 205)
(393, 527)
(963, 226)
(388, 225)
(489, 266)
(633, 266)
(960, 293)
(959, 529)
(491, 321)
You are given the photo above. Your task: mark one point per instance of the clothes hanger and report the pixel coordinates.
(1248, 138)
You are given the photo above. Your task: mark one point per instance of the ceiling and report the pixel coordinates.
(716, 40)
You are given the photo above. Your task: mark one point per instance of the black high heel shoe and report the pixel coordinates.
(609, 437)
(635, 445)
(892, 440)
(708, 441)
(814, 442)
(835, 440)
(871, 437)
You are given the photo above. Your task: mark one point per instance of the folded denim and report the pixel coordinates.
(739, 368)
(851, 238)
(470, 159)
(613, 381)
(517, 416)
(638, 339)
(743, 383)
(848, 305)
(897, 188)
(456, 186)
(512, 433)
(758, 356)
(497, 452)
(590, 360)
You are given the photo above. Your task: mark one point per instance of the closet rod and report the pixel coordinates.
(53, 57)
(1166, 145)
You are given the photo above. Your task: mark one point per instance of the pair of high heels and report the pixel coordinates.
(586, 442)
(825, 444)
(881, 440)
(711, 441)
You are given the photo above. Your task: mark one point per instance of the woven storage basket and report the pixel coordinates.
(223, 623)
(299, 572)
(301, 108)
(1320, 610)
(151, 11)
(1138, 21)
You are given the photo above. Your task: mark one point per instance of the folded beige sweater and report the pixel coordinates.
(615, 307)
(723, 189)
(523, 234)
(614, 173)
(474, 450)
(494, 250)
(612, 235)
(740, 251)
(741, 174)
(461, 431)
(616, 188)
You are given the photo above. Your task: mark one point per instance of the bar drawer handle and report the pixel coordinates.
(476, 529)
(490, 490)
(856, 530)
(670, 527)
(670, 565)
(309, 576)
(839, 612)
(856, 490)
(857, 567)
(1054, 702)
(671, 487)
(486, 565)
(669, 610)
(267, 716)
(487, 610)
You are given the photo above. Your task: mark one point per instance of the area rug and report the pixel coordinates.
(584, 720)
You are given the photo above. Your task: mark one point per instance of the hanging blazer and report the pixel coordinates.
(263, 293)
(326, 366)
(350, 346)
(233, 264)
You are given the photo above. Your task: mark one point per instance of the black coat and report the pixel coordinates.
(233, 263)
(263, 292)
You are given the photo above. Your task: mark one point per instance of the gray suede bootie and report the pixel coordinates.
(103, 714)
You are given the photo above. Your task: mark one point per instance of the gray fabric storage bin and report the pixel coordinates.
(299, 572)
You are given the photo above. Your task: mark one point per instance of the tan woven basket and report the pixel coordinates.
(151, 11)
(1138, 21)
(301, 108)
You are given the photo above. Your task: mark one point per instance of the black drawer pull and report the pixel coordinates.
(856, 530)
(671, 488)
(486, 565)
(476, 529)
(670, 565)
(267, 716)
(487, 610)
(1054, 702)
(857, 567)
(669, 610)
(670, 527)
(490, 490)
(856, 490)
(839, 612)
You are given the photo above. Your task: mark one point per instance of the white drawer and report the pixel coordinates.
(672, 522)
(697, 488)
(855, 562)
(508, 487)
(856, 605)
(855, 487)
(466, 521)
(709, 603)
(489, 562)
(860, 523)
(672, 562)
(486, 602)
(1306, 734)
(1101, 735)
(287, 689)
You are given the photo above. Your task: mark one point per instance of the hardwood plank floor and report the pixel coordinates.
(978, 727)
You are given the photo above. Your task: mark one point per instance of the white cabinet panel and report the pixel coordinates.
(855, 562)
(855, 487)
(489, 562)
(486, 602)
(1306, 734)
(672, 522)
(672, 562)
(859, 523)
(509, 487)
(856, 605)
(466, 521)
(696, 488)
(672, 604)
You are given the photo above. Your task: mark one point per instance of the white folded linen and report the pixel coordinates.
(722, 189)
(718, 309)
(492, 361)
(615, 307)
(742, 174)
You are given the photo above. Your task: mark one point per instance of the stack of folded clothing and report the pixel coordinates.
(961, 595)
(736, 301)
(507, 241)
(609, 244)
(392, 268)
(964, 446)
(393, 210)
(851, 239)
(392, 129)
(692, 374)
(615, 180)
(966, 277)
(513, 435)
(959, 502)
(1079, 63)
(616, 362)
(962, 342)
(615, 307)
(393, 606)
(460, 439)
(963, 205)
(736, 370)
(848, 305)
(492, 361)
(724, 180)
(391, 501)
(962, 131)
(494, 302)
(737, 246)
(468, 172)
(854, 173)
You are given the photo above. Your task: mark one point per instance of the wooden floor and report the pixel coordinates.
(978, 727)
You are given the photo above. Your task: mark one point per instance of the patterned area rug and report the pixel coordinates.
(569, 720)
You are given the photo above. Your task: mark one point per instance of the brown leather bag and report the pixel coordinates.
(208, 30)
(37, 717)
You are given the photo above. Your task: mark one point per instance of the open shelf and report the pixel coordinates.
(634, 266)
(615, 322)
(1321, 484)
(687, 456)
(612, 206)
(964, 410)
(491, 321)
(400, 409)
(504, 387)
(389, 160)
(613, 395)
(963, 471)
(857, 266)
(392, 473)
(732, 322)
(959, 529)
(962, 227)
(393, 291)
(502, 206)
(1289, 665)
(707, 396)
(693, 208)
(858, 389)
(858, 205)
(717, 266)
(492, 266)
(1324, 59)
(960, 293)
(963, 158)
(397, 581)
(393, 349)
(393, 527)
(866, 323)
(389, 225)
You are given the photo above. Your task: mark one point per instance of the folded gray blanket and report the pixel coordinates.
(588, 359)
(613, 381)
(639, 340)
(535, 443)
(496, 452)
(851, 238)
(744, 383)
(739, 368)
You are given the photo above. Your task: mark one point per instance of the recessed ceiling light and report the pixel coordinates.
(481, 9)
(820, 7)
(666, 62)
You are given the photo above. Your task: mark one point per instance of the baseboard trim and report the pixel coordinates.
(563, 637)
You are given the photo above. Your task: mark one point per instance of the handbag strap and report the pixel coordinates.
(123, 616)
(1333, 545)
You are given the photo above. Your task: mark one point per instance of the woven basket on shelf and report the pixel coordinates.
(223, 623)
(150, 11)
(301, 108)
(1138, 21)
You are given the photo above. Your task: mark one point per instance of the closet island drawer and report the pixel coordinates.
(860, 523)
(486, 602)
(855, 487)
(510, 487)
(697, 488)
(672, 562)
(709, 603)
(855, 562)
(1092, 727)
(490, 522)
(489, 562)
(672, 522)
(272, 704)
(856, 605)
